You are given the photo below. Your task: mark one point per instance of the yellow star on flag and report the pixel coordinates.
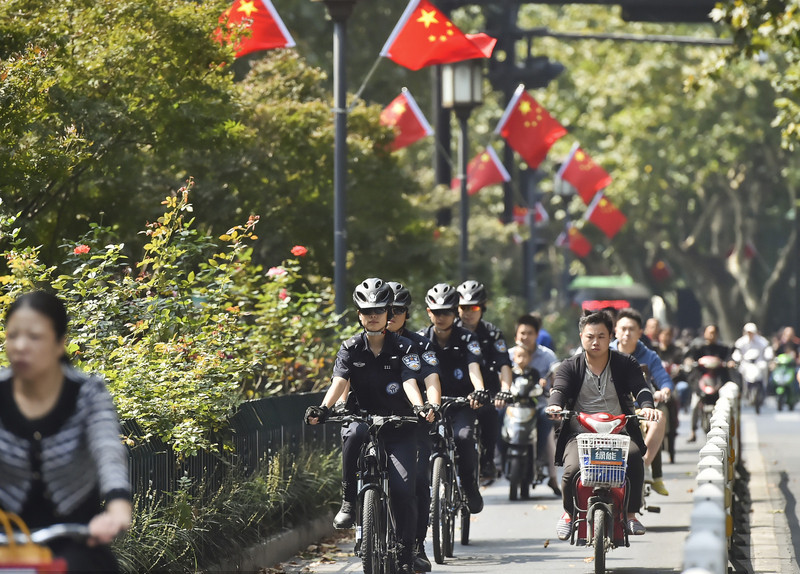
(579, 155)
(428, 18)
(525, 107)
(247, 7)
(399, 108)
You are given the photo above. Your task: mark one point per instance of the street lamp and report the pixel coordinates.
(339, 11)
(462, 90)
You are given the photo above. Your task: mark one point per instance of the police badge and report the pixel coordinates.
(474, 348)
(412, 361)
(430, 358)
(501, 346)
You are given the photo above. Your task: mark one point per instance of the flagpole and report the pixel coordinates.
(340, 11)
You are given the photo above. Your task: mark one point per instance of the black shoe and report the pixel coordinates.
(553, 484)
(421, 562)
(474, 498)
(488, 470)
(344, 518)
(406, 569)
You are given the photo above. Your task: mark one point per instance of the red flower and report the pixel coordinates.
(299, 250)
(283, 295)
(81, 250)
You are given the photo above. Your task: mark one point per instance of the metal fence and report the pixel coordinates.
(258, 430)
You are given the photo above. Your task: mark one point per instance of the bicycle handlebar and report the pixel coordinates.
(77, 532)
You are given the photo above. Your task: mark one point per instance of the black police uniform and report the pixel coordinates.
(462, 349)
(495, 356)
(376, 383)
(430, 365)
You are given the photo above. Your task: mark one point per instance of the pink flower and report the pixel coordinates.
(276, 272)
(299, 250)
(81, 250)
(283, 295)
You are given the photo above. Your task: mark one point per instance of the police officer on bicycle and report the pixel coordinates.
(380, 368)
(431, 388)
(496, 368)
(459, 355)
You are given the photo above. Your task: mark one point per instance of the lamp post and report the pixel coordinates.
(339, 11)
(462, 90)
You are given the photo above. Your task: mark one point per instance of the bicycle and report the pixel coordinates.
(376, 540)
(447, 497)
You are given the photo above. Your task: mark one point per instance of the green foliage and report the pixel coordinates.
(193, 328)
(770, 31)
(182, 533)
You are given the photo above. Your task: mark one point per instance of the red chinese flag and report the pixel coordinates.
(424, 37)
(528, 128)
(520, 214)
(580, 171)
(264, 29)
(484, 169)
(404, 115)
(605, 215)
(575, 240)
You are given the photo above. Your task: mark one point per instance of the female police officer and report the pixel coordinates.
(381, 369)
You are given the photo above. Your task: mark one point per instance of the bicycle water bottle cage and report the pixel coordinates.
(602, 422)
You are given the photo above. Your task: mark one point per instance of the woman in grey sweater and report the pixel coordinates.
(61, 458)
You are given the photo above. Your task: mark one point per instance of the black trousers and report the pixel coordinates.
(401, 449)
(572, 467)
(489, 420)
(423, 489)
(463, 421)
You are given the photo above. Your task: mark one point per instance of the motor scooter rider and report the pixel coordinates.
(599, 379)
(380, 368)
(762, 351)
(459, 354)
(707, 345)
(542, 360)
(495, 370)
(431, 387)
(628, 330)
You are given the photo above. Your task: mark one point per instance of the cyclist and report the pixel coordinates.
(380, 368)
(459, 354)
(600, 380)
(61, 459)
(629, 332)
(495, 370)
(432, 388)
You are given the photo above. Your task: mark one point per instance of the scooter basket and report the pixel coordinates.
(603, 459)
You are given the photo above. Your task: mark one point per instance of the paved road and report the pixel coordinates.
(772, 456)
(519, 537)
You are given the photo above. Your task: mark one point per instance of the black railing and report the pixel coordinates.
(258, 430)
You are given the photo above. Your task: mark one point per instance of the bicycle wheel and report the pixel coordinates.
(372, 535)
(440, 486)
(453, 503)
(464, 526)
(599, 524)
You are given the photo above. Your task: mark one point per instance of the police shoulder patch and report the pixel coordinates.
(430, 358)
(500, 345)
(474, 348)
(412, 361)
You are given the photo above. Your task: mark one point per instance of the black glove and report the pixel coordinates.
(422, 410)
(482, 396)
(339, 409)
(504, 396)
(320, 413)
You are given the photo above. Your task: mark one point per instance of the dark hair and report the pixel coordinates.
(530, 320)
(629, 313)
(45, 303)
(597, 318)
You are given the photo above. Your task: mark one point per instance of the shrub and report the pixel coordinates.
(189, 331)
